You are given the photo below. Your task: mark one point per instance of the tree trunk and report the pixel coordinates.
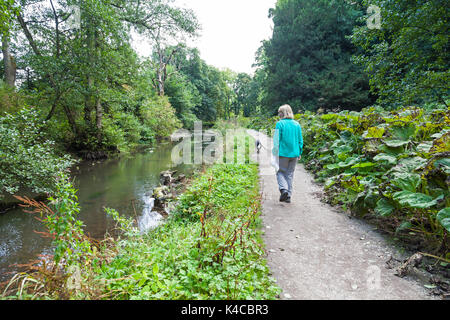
(9, 63)
(67, 110)
(88, 101)
(98, 119)
(160, 82)
(71, 119)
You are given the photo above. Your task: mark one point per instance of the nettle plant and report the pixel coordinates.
(391, 164)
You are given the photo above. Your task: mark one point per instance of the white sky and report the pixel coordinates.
(232, 31)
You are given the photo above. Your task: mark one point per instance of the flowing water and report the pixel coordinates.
(125, 184)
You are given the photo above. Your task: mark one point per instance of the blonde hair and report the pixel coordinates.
(285, 112)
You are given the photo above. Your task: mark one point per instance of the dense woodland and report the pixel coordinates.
(74, 87)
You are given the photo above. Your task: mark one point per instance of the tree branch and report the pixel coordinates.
(28, 34)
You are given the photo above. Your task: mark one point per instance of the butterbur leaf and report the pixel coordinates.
(384, 207)
(441, 144)
(440, 134)
(403, 133)
(411, 164)
(443, 164)
(385, 157)
(374, 133)
(392, 151)
(364, 165)
(372, 145)
(406, 181)
(394, 143)
(425, 146)
(443, 217)
(343, 164)
(346, 136)
(329, 117)
(415, 200)
(342, 149)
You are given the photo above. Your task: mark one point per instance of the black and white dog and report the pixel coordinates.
(258, 146)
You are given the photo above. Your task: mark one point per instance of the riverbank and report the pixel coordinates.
(124, 183)
(210, 247)
(9, 202)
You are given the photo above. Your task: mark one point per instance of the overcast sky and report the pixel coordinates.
(232, 31)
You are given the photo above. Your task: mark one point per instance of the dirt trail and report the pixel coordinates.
(317, 252)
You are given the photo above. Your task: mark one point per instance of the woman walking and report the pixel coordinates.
(288, 147)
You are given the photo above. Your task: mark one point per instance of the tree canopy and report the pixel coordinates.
(407, 57)
(75, 64)
(308, 59)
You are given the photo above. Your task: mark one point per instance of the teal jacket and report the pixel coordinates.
(288, 139)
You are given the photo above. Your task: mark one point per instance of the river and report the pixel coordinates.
(125, 183)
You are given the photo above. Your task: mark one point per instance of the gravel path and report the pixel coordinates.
(316, 252)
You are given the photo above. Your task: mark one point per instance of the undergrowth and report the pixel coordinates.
(209, 248)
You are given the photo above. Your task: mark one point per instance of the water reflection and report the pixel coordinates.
(125, 184)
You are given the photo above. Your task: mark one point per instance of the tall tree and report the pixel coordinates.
(210, 83)
(407, 56)
(8, 10)
(245, 101)
(308, 59)
(163, 23)
(9, 63)
(81, 66)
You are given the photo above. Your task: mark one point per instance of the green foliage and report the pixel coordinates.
(307, 60)
(10, 101)
(443, 217)
(407, 58)
(212, 93)
(71, 245)
(247, 95)
(57, 276)
(28, 160)
(159, 116)
(229, 182)
(88, 81)
(8, 8)
(391, 164)
(209, 248)
(179, 260)
(183, 96)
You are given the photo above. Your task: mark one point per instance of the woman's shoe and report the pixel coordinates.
(284, 196)
(288, 200)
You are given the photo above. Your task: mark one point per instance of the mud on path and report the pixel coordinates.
(316, 252)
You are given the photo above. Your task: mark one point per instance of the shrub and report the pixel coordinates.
(10, 101)
(392, 165)
(159, 116)
(28, 160)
